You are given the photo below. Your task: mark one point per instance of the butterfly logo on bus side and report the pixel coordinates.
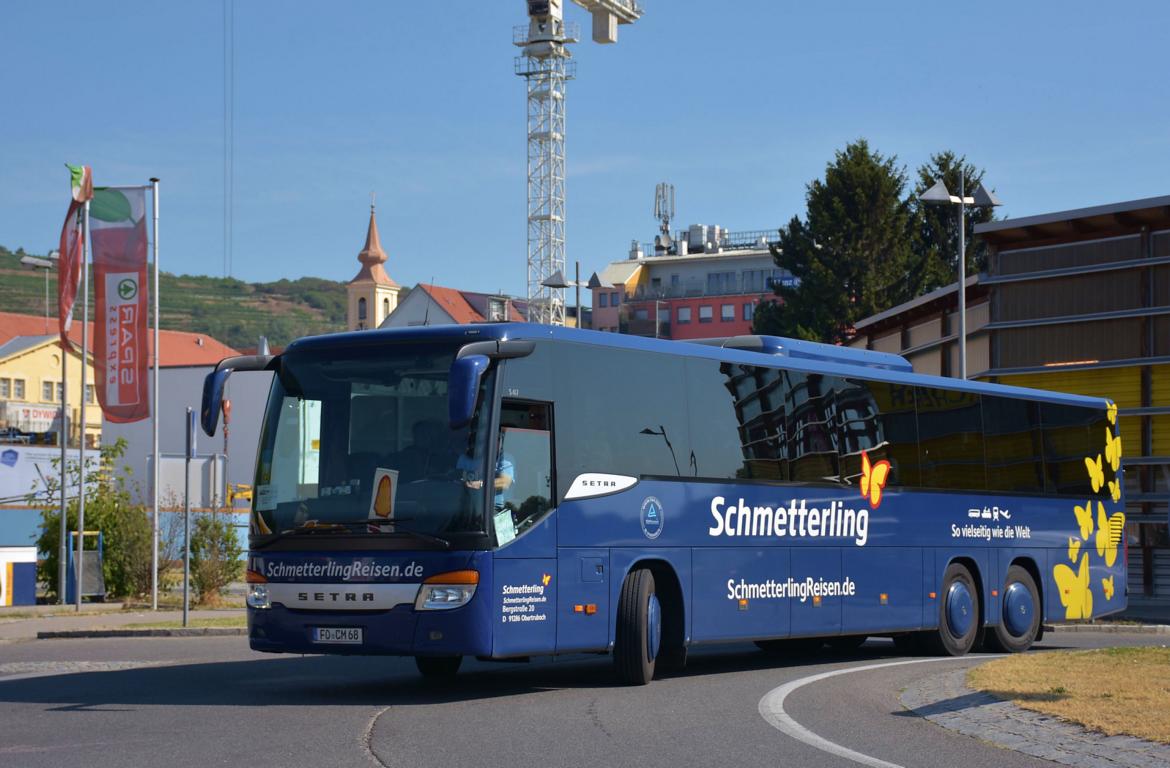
(873, 479)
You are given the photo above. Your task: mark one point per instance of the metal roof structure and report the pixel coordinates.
(1079, 223)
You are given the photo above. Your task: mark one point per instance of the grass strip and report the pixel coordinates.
(219, 621)
(1112, 690)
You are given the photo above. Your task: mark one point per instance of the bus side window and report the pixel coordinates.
(525, 455)
(812, 428)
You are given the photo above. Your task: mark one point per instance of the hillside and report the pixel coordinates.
(232, 311)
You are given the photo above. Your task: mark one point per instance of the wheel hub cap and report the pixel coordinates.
(960, 610)
(1018, 609)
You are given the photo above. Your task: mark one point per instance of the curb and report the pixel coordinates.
(179, 632)
(1116, 629)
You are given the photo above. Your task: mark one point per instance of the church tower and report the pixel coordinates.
(372, 294)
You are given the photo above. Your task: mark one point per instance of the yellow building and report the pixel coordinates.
(372, 294)
(31, 391)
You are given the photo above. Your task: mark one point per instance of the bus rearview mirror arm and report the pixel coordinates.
(215, 382)
(471, 362)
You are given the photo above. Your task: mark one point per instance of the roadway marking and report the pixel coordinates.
(772, 709)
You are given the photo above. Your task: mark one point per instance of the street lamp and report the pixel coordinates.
(48, 264)
(940, 195)
(558, 281)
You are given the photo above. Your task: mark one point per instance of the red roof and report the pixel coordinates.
(454, 302)
(176, 348)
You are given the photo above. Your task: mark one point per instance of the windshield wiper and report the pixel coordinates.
(362, 527)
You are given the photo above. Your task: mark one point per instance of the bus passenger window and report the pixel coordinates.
(523, 480)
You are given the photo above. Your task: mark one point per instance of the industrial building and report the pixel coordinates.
(1075, 301)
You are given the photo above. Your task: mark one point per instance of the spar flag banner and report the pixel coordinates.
(70, 250)
(117, 231)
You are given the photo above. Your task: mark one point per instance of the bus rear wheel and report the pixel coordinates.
(638, 633)
(1019, 620)
(958, 615)
(438, 667)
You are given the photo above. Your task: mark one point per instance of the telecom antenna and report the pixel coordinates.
(546, 66)
(664, 206)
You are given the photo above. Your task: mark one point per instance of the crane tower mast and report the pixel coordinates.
(546, 66)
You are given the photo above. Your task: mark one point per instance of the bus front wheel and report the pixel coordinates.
(436, 667)
(958, 619)
(1019, 622)
(639, 629)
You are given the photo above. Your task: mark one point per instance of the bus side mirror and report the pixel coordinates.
(212, 399)
(463, 388)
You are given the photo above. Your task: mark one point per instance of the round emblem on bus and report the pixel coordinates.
(652, 517)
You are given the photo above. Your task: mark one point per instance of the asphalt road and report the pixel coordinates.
(211, 701)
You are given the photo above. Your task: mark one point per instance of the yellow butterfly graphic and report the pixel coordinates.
(1074, 549)
(1111, 412)
(1085, 518)
(1115, 490)
(1096, 473)
(1113, 449)
(1107, 586)
(873, 479)
(1075, 595)
(1106, 545)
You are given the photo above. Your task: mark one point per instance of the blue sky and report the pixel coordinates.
(1064, 104)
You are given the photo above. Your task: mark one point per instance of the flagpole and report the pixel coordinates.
(154, 414)
(84, 364)
(63, 439)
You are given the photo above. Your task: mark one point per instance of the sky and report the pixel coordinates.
(1064, 104)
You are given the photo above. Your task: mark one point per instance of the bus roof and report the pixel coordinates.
(793, 354)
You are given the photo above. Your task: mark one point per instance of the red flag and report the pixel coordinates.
(118, 233)
(70, 251)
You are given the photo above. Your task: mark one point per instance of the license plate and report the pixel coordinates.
(340, 635)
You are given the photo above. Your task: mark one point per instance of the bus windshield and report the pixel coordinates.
(356, 440)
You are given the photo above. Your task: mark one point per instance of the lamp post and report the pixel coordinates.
(558, 281)
(49, 264)
(940, 195)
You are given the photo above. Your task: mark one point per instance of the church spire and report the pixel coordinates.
(372, 256)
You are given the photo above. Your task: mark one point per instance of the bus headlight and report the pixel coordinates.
(258, 596)
(445, 591)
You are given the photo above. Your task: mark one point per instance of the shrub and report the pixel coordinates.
(215, 556)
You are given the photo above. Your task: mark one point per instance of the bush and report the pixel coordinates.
(125, 526)
(215, 556)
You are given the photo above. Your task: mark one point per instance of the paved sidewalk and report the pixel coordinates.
(947, 701)
(27, 629)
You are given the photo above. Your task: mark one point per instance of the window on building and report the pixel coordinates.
(88, 393)
(361, 309)
(656, 283)
(727, 313)
(706, 314)
(749, 311)
(47, 391)
(5, 389)
(497, 312)
(603, 300)
(61, 391)
(385, 307)
(675, 279)
(613, 299)
(720, 282)
(640, 314)
(664, 314)
(684, 315)
(18, 389)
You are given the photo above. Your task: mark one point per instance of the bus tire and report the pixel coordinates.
(639, 628)
(1019, 621)
(438, 667)
(958, 613)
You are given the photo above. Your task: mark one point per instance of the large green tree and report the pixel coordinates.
(936, 227)
(852, 253)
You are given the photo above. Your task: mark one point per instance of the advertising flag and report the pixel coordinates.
(118, 234)
(70, 250)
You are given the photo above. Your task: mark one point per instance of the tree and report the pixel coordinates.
(852, 254)
(936, 227)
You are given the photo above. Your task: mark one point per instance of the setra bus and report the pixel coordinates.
(511, 490)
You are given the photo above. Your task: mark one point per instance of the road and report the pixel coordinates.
(211, 701)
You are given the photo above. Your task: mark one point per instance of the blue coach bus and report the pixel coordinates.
(505, 491)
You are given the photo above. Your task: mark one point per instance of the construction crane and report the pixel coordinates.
(546, 66)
